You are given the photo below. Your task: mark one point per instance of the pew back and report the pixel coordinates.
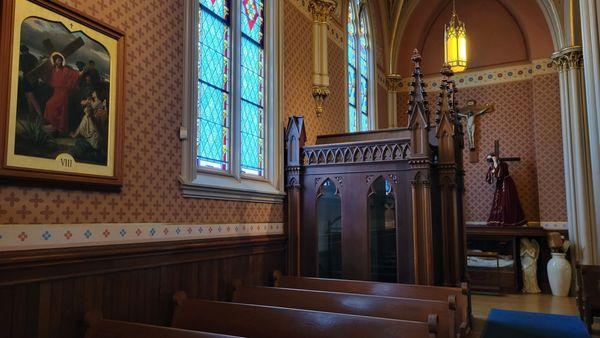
(439, 293)
(258, 321)
(99, 327)
(356, 304)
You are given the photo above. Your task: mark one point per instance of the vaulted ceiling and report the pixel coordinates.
(500, 31)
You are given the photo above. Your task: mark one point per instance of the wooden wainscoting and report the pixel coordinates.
(45, 293)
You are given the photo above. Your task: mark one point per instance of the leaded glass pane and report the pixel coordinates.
(364, 72)
(213, 123)
(364, 122)
(352, 118)
(252, 139)
(252, 20)
(363, 94)
(351, 68)
(217, 7)
(252, 89)
(351, 86)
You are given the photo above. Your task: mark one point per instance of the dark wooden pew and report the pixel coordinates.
(259, 321)
(588, 293)
(439, 293)
(356, 304)
(98, 327)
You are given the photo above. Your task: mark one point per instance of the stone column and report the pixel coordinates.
(321, 11)
(590, 36)
(393, 86)
(576, 146)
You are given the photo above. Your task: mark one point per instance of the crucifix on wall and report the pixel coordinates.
(468, 114)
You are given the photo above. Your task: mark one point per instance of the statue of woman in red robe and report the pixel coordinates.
(506, 207)
(62, 79)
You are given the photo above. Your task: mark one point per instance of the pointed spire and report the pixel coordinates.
(417, 97)
(443, 105)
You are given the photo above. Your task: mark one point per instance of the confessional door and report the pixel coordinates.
(354, 230)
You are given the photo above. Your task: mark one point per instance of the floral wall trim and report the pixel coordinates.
(44, 236)
(489, 76)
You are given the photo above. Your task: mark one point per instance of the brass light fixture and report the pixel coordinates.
(455, 43)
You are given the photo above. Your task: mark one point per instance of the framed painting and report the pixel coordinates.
(61, 103)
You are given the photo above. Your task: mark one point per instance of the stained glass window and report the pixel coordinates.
(214, 71)
(252, 88)
(352, 104)
(218, 91)
(358, 68)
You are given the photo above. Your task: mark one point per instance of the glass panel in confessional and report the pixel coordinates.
(329, 216)
(382, 231)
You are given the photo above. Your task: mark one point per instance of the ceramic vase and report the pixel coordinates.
(559, 274)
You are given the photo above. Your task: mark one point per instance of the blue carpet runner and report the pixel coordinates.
(520, 324)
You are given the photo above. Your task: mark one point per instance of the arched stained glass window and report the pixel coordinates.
(218, 90)
(359, 64)
(214, 60)
(253, 84)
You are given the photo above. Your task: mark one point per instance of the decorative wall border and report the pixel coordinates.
(336, 33)
(44, 236)
(543, 224)
(489, 76)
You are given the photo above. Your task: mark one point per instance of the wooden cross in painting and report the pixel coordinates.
(505, 159)
(468, 114)
(45, 66)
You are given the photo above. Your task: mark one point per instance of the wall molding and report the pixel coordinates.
(489, 76)
(15, 237)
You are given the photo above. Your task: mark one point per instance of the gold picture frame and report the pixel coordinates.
(62, 101)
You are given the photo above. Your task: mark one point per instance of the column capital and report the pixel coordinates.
(568, 58)
(394, 82)
(321, 10)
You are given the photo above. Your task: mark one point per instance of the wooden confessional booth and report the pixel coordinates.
(381, 205)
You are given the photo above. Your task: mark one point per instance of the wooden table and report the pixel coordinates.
(507, 239)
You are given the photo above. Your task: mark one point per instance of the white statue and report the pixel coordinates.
(530, 251)
(469, 113)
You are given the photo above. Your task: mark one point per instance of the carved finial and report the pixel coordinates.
(417, 97)
(447, 71)
(442, 105)
(416, 58)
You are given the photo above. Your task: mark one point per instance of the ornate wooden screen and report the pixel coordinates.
(418, 169)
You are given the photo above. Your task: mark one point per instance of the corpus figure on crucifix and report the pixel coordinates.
(469, 113)
(506, 207)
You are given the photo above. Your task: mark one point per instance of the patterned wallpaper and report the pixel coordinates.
(527, 122)
(153, 104)
(298, 98)
(548, 148)
(512, 124)
(382, 107)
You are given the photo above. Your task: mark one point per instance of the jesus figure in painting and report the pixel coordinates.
(62, 79)
(506, 207)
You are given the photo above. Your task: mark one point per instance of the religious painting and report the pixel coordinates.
(62, 96)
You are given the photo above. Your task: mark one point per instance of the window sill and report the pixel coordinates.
(229, 189)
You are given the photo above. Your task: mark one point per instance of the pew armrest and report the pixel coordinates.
(466, 290)
(452, 313)
(432, 325)
(179, 297)
(91, 319)
(276, 277)
(463, 330)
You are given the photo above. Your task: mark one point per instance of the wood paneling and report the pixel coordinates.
(45, 293)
